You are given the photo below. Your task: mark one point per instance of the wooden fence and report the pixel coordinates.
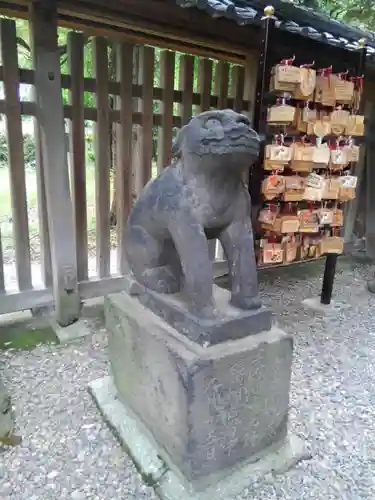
(140, 107)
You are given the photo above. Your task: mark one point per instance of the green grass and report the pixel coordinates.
(21, 336)
(6, 224)
(31, 191)
(5, 201)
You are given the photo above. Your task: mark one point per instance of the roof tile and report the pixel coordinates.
(293, 18)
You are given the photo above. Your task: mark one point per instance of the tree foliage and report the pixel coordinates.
(359, 13)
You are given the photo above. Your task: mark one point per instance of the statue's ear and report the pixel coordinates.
(177, 145)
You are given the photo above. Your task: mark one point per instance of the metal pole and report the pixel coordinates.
(260, 108)
(331, 260)
(328, 278)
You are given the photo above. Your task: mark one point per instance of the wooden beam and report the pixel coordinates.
(21, 301)
(28, 76)
(91, 114)
(170, 23)
(50, 114)
(120, 32)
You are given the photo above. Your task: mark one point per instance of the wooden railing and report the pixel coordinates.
(125, 109)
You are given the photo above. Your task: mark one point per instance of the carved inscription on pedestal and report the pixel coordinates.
(235, 421)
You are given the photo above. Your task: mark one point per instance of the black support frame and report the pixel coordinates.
(275, 45)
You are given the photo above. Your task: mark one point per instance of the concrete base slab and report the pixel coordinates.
(168, 484)
(72, 332)
(6, 413)
(332, 308)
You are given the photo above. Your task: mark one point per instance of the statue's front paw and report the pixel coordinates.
(243, 302)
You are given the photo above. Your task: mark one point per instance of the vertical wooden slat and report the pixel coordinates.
(77, 150)
(15, 149)
(137, 167)
(167, 67)
(237, 87)
(50, 114)
(352, 208)
(251, 68)
(222, 84)
(212, 249)
(186, 84)
(204, 83)
(147, 58)
(44, 237)
(2, 282)
(124, 174)
(100, 66)
(220, 255)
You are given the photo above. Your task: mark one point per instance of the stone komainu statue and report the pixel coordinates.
(200, 196)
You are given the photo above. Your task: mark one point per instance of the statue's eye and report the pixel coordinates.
(212, 123)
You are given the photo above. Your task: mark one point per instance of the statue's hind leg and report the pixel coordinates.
(154, 264)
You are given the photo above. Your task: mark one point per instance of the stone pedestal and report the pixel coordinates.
(227, 322)
(208, 410)
(6, 414)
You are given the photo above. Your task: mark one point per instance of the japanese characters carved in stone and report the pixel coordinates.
(198, 197)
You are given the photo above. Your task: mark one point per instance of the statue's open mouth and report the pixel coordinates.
(235, 142)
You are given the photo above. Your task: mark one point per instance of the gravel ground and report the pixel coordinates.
(68, 452)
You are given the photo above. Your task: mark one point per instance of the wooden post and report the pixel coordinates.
(2, 281)
(124, 166)
(50, 114)
(370, 187)
(237, 87)
(77, 150)
(102, 159)
(330, 266)
(205, 83)
(186, 84)
(351, 208)
(222, 84)
(251, 68)
(167, 69)
(142, 152)
(45, 244)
